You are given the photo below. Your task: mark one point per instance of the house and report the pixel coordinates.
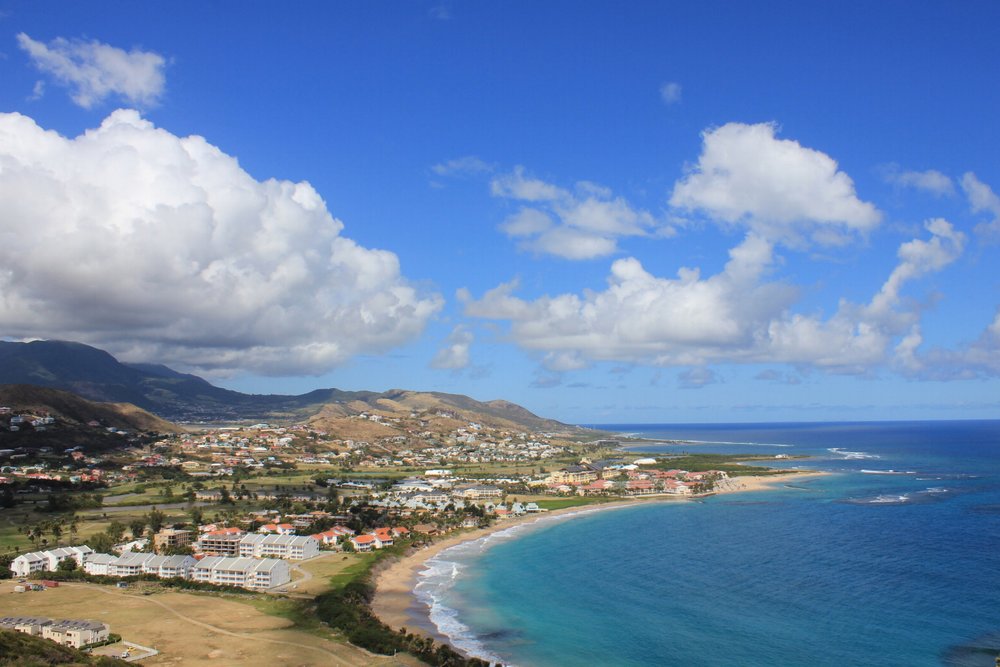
(134, 545)
(383, 538)
(333, 535)
(279, 528)
(364, 542)
(292, 547)
(426, 529)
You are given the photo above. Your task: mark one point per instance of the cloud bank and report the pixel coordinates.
(161, 247)
(735, 316)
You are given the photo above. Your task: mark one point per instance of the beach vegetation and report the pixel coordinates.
(731, 464)
(348, 609)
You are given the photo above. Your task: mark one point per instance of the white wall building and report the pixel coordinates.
(166, 567)
(69, 632)
(97, 564)
(27, 563)
(38, 561)
(252, 573)
(75, 633)
(291, 547)
(128, 564)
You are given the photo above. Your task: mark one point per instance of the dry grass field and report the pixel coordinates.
(190, 629)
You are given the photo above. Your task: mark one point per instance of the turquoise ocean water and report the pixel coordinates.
(892, 560)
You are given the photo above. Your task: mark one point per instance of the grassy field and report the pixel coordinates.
(192, 629)
(549, 503)
(89, 522)
(329, 570)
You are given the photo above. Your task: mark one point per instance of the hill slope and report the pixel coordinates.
(98, 376)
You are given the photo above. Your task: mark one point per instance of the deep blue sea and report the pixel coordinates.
(892, 560)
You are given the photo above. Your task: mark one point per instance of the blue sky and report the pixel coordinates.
(661, 212)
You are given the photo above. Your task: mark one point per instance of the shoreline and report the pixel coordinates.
(396, 605)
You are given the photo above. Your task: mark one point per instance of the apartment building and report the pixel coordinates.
(252, 573)
(289, 547)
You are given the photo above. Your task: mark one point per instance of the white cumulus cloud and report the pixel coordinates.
(735, 316)
(777, 187)
(455, 354)
(93, 71)
(982, 199)
(932, 181)
(584, 223)
(161, 247)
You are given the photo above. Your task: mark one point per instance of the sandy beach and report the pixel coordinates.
(395, 603)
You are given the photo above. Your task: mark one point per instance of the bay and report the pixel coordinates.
(894, 559)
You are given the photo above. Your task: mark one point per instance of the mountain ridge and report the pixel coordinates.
(97, 375)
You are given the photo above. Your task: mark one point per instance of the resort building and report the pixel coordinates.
(478, 492)
(27, 563)
(252, 573)
(171, 538)
(580, 474)
(75, 633)
(291, 547)
(68, 632)
(225, 542)
(128, 565)
(48, 561)
(97, 564)
(166, 567)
